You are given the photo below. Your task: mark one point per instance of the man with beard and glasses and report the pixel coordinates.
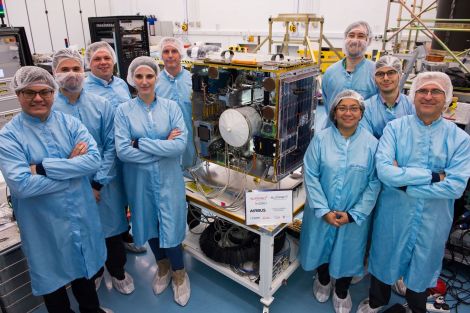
(354, 72)
(97, 114)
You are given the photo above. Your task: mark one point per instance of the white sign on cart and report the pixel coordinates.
(268, 207)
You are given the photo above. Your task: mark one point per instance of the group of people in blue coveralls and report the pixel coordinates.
(81, 151)
(390, 165)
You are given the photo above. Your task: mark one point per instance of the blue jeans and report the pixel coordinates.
(174, 254)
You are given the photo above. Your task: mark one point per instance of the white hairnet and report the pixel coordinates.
(174, 42)
(388, 61)
(354, 48)
(32, 75)
(98, 46)
(64, 54)
(345, 94)
(139, 62)
(70, 81)
(359, 24)
(438, 78)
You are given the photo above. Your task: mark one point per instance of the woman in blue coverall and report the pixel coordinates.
(342, 187)
(150, 137)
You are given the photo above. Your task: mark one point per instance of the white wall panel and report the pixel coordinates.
(37, 27)
(227, 22)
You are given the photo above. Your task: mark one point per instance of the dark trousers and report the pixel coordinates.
(174, 254)
(342, 284)
(116, 257)
(379, 295)
(84, 291)
(126, 236)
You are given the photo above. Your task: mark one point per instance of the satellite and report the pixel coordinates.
(254, 114)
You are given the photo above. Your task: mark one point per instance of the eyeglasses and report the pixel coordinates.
(350, 109)
(388, 73)
(31, 94)
(434, 92)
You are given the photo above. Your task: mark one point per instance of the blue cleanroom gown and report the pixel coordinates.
(97, 114)
(377, 114)
(411, 228)
(179, 89)
(116, 92)
(337, 79)
(57, 214)
(153, 177)
(339, 175)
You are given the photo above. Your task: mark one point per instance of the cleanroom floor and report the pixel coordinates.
(213, 292)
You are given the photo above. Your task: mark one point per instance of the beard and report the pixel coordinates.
(354, 48)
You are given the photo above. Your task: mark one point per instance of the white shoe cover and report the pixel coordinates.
(321, 292)
(98, 281)
(342, 305)
(125, 286)
(159, 284)
(364, 307)
(182, 292)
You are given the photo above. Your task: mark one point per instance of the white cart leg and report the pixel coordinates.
(266, 269)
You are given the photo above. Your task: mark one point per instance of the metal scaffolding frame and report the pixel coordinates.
(416, 24)
(289, 20)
